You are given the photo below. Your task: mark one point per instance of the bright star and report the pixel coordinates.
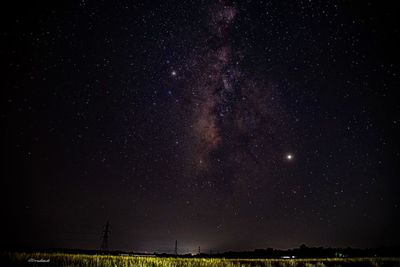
(173, 73)
(289, 156)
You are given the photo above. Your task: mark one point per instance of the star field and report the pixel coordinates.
(230, 125)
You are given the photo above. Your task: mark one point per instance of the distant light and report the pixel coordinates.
(173, 73)
(289, 156)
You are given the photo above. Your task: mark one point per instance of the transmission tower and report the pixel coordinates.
(106, 235)
(176, 247)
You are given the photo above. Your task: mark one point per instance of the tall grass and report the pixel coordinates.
(79, 260)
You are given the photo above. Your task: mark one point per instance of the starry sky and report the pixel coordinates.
(230, 125)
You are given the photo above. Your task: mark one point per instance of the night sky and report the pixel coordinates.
(220, 124)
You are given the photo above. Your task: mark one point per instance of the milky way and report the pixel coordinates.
(236, 131)
(214, 84)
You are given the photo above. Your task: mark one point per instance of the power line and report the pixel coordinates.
(106, 235)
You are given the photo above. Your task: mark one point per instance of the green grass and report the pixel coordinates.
(69, 260)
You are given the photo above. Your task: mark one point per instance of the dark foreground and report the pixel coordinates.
(63, 260)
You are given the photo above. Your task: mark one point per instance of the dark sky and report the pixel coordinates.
(225, 125)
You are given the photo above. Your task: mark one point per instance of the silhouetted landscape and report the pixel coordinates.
(302, 252)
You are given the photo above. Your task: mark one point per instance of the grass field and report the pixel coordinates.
(64, 260)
